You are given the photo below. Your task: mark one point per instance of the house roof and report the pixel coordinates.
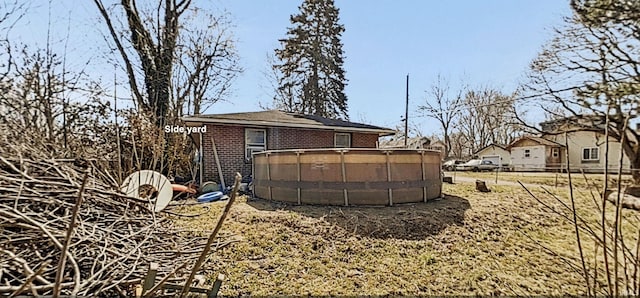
(275, 118)
(573, 123)
(538, 140)
(485, 147)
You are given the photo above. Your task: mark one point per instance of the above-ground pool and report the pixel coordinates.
(347, 176)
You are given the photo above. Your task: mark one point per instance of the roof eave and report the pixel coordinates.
(491, 145)
(553, 144)
(195, 121)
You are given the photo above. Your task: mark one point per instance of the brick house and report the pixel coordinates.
(237, 135)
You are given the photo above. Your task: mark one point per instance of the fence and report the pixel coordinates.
(550, 171)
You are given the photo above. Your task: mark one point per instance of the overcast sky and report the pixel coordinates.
(489, 42)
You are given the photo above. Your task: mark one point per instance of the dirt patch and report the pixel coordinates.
(407, 221)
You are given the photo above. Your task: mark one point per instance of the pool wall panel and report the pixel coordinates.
(347, 176)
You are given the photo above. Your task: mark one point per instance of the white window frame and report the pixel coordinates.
(335, 139)
(591, 151)
(250, 148)
(555, 152)
(527, 153)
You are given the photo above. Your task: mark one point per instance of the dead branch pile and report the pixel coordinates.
(111, 244)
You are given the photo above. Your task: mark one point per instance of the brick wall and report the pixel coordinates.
(230, 146)
(287, 138)
(363, 140)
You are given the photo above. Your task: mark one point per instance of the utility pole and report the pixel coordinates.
(406, 116)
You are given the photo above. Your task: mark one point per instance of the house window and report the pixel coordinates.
(590, 154)
(527, 153)
(255, 140)
(555, 152)
(342, 140)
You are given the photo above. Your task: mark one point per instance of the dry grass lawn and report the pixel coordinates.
(467, 243)
(545, 178)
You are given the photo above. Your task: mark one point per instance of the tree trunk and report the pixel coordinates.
(632, 151)
(447, 144)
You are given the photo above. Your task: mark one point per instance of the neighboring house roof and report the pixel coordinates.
(399, 142)
(595, 123)
(275, 118)
(490, 145)
(538, 140)
(438, 143)
(573, 123)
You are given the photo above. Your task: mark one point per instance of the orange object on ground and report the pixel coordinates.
(182, 188)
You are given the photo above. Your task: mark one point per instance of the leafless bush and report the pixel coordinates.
(607, 236)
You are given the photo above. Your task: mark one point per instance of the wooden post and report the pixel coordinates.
(455, 169)
(389, 179)
(344, 178)
(151, 292)
(266, 155)
(424, 177)
(215, 155)
(216, 286)
(150, 278)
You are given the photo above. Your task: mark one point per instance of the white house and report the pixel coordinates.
(579, 138)
(531, 153)
(497, 154)
(586, 151)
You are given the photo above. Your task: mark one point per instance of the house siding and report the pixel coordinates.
(230, 144)
(286, 138)
(536, 160)
(589, 139)
(363, 140)
(505, 156)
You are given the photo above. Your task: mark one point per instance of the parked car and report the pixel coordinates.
(477, 165)
(496, 160)
(450, 165)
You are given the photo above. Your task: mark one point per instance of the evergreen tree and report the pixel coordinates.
(311, 75)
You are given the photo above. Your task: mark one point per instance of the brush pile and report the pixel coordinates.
(113, 240)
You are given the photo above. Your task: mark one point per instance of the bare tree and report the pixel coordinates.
(10, 14)
(284, 94)
(459, 147)
(169, 51)
(592, 72)
(486, 119)
(207, 63)
(36, 98)
(443, 106)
